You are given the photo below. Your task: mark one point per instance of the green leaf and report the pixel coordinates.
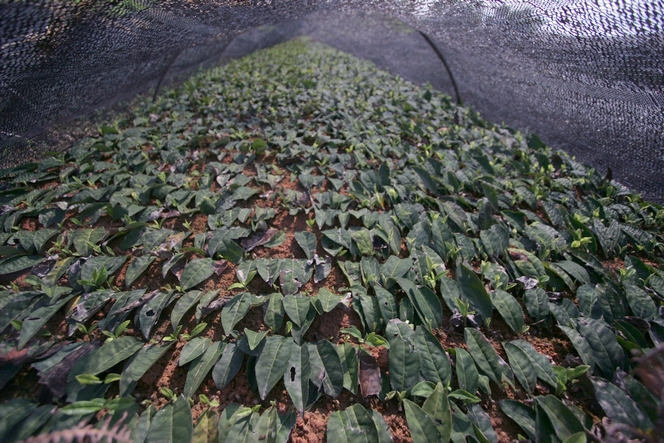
(137, 267)
(579, 437)
(296, 377)
(425, 302)
(20, 263)
(196, 271)
(100, 360)
(326, 300)
(274, 313)
(384, 434)
(307, 242)
(537, 303)
(618, 406)
(437, 406)
(481, 419)
(564, 422)
(272, 363)
(84, 240)
(347, 354)
(172, 423)
(207, 428)
(278, 239)
(254, 338)
(84, 407)
(607, 353)
(421, 426)
(234, 311)
(640, 302)
(485, 356)
(38, 318)
(522, 366)
(150, 312)
(539, 362)
(472, 288)
(183, 305)
(201, 366)
(466, 371)
(508, 308)
(139, 364)
(392, 269)
(404, 360)
(387, 304)
(13, 412)
(297, 307)
(88, 379)
(581, 345)
(354, 424)
(228, 365)
(522, 415)
(434, 363)
(193, 349)
(327, 367)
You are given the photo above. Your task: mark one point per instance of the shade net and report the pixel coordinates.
(586, 76)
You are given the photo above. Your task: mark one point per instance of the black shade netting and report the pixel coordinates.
(586, 76)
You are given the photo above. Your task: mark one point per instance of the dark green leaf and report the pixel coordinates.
(172, 423)
(228, 365)
(472, 288)
(196, 271)
(201, 366)
(272, 363)
(618, 406)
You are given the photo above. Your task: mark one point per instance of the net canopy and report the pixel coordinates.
(586, 76)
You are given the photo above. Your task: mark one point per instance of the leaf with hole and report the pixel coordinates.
(272, 363)
(150, 312)
(296, 376)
